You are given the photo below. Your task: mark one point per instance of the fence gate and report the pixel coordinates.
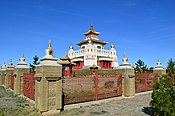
(145, 81)
(91, 87)
(29, 85)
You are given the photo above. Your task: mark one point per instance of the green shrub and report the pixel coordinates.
(163, 97)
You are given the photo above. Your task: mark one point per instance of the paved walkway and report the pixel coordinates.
(119, 106)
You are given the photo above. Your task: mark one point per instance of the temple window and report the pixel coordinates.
(82, 47)
(98, 47)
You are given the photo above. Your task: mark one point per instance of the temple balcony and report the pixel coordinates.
(98, 52)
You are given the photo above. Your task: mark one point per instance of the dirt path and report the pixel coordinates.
(135, 106)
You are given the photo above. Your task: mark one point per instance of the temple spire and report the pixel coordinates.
(91, 31)
(91, 27)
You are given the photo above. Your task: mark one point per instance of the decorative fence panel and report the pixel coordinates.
(91, 87)
(29, 85)
(12, 81)
(145, 81)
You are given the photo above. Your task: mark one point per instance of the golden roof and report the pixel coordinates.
(93, 40)
(65, 58)
(64, 62)
(91, 31)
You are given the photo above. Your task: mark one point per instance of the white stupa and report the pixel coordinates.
(159, 66)
(10, 66)
(3, 68)
(125, 64)
(22, 63)
(48, 59)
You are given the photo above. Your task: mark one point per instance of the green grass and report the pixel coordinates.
(100, 71)
(81, 71)
(108, 71)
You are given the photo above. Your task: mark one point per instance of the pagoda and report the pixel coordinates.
(92, 52)
(66, 66)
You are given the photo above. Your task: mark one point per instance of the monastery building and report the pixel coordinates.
(92, 52)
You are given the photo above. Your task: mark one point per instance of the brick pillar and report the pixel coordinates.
(48, 84)
(3, 74)
(7, 78)
(18, 80)
(2, 79)
(19, 74)
(9, 71)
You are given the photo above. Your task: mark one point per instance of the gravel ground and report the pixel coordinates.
(134, 106)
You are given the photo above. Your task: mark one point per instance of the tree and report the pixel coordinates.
(35, 62)
(171, 67)
(140, 67)
(163, 97)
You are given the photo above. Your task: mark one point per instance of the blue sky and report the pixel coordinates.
(144, 29)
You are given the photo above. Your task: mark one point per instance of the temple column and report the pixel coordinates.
(81, 65)
(105, 64)
(101, 64)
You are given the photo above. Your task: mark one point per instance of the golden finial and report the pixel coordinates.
(91, 27)
(49, 45)
(22, 55)
(124, 55)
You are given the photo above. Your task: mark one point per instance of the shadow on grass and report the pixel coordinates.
(148, 110)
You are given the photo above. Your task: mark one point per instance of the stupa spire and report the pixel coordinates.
(10, 66)
(4, 66)
(22, 63)
(125, 59)
(49, 45)
(22, 55)
(112, 45)
(48, 59)
(125, 64)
